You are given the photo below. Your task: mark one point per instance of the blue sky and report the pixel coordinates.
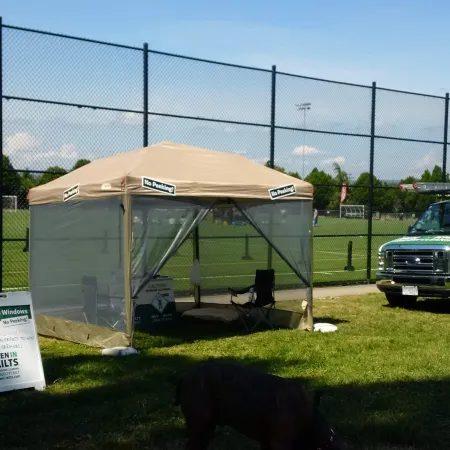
(399, 44)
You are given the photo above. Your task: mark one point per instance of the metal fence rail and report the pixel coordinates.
(68, 100)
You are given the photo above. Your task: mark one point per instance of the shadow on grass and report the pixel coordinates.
(186, 330)
(117, 403)
(433, 305)
(101, 402)
(332, 320)
(430, 305)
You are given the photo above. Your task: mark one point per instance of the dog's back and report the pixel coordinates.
(264, 407)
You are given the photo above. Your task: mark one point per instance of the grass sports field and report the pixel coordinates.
(222, 248)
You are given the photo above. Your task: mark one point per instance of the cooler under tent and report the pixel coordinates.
(147, 202)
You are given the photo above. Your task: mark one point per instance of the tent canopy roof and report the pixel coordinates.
(173, 169)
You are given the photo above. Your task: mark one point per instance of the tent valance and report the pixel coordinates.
(174, 170)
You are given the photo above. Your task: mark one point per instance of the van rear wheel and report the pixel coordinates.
(401, 301)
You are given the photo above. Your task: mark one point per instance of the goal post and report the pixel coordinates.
(9, 203)
(351, 211)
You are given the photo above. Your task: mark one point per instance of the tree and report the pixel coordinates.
(80, 163)
(283, 170)
(52, 173)
(323, 187)
(359, 192)
(340, 177)
(11, 178)
(27, 181)
(435, 175)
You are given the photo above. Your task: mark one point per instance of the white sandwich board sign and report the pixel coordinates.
(20, 355)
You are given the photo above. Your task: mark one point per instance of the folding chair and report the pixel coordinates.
(264, 302)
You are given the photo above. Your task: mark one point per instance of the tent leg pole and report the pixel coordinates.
(306, 322)
(127, 241)
(196, 245)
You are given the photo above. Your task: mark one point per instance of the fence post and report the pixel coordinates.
(145, 95)
(372, 153)
(196, 245)
(247, 249)
(1, 153)
(444, 156)
(349, 267)
(26, 249)
(272, 153)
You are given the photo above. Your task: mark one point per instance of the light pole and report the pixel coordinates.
(304, 107)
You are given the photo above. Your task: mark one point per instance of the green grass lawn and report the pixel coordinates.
(221, 259)
(385, 375)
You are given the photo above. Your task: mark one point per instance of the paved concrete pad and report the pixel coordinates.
(319, 292)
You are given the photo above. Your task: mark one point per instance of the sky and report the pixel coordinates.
(399, 44)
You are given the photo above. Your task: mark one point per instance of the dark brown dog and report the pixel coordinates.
(274, 411)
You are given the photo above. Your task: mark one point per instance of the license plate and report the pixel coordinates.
(410, 290)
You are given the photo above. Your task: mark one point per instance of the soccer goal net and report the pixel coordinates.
(9, 202)
(352, 211)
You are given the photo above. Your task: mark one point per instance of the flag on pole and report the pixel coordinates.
(343, 192)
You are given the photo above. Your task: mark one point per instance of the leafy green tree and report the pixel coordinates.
(27, 181)
(80, 163)
(11, 178)
(323, 187)
(359, 192)
(283, 170)
(340, 177)
(52, 173)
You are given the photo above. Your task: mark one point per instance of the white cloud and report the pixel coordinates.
(260, 160)
(337, 160)
(428, 161)
(66, 151)
(305, 150)
(129, 118)
(20, 141)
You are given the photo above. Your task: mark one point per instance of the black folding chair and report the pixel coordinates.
(263, 303)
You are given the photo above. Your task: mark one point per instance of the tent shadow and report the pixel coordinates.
(332, 320)
(187, 330)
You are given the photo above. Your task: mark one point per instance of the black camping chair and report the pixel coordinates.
(264, 302)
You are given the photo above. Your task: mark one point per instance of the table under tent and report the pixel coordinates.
(146, 203)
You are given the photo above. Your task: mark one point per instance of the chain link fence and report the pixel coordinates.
(67, 101)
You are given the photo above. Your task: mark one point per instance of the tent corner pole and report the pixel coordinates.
(127, 243)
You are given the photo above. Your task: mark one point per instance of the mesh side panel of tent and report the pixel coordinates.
(230, 250)
(160, 226)
(76, 262)
(287, 225)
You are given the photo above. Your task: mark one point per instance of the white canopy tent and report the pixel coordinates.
(170, 187)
